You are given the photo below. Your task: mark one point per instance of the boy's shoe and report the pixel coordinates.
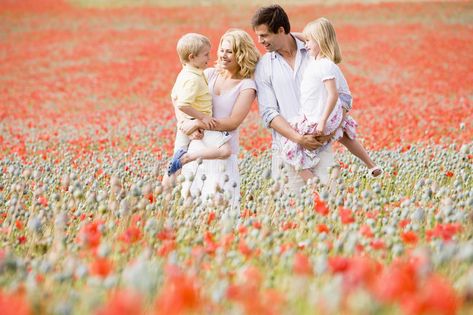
(175, 163)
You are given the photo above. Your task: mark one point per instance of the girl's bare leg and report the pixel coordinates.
(359, 151)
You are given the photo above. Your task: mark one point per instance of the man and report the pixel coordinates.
(278, 78)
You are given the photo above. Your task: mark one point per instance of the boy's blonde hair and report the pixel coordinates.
(191, 43)
(244, 49)
(322, 31)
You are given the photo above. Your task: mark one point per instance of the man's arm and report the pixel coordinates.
(267, 103)
(309, 141)
(269, 111)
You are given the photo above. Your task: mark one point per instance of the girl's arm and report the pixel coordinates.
(332, 97)
(239, 112)
(299, 36)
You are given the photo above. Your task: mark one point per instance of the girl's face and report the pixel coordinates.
(201, 59)
(226, 57)
(312, 47)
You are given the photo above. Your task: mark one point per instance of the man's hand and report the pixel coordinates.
(324, 138)
(309, 142)
(314, 141)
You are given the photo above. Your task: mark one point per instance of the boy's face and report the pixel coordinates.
(201, 60)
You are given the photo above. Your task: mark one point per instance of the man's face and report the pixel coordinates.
(271, 41)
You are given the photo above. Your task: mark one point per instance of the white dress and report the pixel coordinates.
(313, 102)
(222, 177)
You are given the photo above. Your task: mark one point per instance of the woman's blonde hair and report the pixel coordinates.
(191, 43)
(322, 31)
(244, 50)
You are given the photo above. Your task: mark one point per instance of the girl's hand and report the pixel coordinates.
(320, 128)
(299, 36)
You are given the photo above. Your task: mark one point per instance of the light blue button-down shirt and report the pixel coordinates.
(279, 87)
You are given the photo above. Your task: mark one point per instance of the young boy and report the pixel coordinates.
(192, 100)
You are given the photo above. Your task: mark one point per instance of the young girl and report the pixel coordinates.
(324, 97)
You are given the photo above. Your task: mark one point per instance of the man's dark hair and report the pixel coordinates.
(273, 16)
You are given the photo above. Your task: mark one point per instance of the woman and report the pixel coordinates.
(233, 91)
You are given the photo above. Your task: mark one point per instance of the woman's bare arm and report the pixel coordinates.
(240, 110)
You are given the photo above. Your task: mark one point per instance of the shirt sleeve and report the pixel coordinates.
(209, 73)
(187, 94)
(327, 72)
(248, 84)
(267, 103)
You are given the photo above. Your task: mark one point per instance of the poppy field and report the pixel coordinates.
(87, 128)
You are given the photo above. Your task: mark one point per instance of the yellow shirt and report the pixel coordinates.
(191, 89)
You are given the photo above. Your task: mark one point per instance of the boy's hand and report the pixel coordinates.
(209, 122)
(189, 126)
(197, 135)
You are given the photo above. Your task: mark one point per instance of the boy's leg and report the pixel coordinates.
(208, 153)
(216, 146)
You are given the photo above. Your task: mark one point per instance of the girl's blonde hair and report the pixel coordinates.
(244, 50)
(322, 31)
(191, 43)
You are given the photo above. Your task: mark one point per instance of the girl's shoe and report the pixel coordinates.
(375, 171)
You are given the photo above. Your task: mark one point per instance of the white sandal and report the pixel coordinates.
(375, 172)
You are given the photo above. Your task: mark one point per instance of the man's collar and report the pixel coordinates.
(300, 45)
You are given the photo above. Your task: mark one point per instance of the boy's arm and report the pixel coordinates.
(208, 121)
(189, 110)
(186, 96)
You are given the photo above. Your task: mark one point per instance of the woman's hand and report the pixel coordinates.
(209, 122)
